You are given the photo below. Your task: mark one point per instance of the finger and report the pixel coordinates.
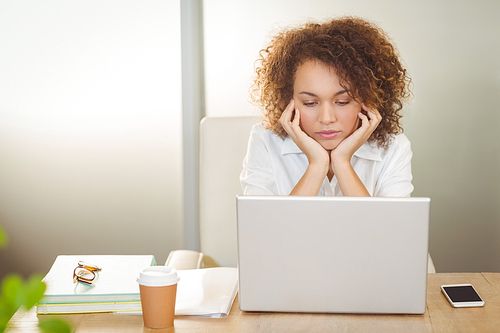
(374, 117)
(375, 114)
(365, 121)
(296, 119)
(286, 115)
(286, 118)
(368, 125)
(295, 125)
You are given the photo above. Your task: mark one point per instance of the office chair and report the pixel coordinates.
(223, 146)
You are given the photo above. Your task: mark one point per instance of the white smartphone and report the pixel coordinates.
(461, 295)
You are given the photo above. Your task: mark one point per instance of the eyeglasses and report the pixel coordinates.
(85, 273)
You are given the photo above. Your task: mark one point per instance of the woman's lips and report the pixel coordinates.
(328, 134)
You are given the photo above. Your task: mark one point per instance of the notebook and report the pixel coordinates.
(114, 289)
(332, 254)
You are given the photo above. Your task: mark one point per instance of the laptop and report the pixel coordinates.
(332, 254)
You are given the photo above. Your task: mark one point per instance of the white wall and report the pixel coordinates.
(452, 50)
(90, 123)
(90, 129)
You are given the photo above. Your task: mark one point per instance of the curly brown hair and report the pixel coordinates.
(362, 56)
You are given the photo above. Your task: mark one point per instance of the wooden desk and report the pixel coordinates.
(439, 316)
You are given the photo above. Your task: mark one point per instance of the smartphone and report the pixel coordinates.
(461, 295)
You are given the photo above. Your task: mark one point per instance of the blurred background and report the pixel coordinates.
(91, 151)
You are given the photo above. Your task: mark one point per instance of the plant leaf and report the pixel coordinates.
(3, 322)
(13, 293)
(34, 291)
(3, 238)
(54, 326)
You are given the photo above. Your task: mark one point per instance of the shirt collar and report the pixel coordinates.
(366, 151)
(289, 147)
(369, 151)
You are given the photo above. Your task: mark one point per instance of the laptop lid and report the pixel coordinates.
(332, 254)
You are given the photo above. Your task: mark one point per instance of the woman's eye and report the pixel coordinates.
(342, 103)
(309, 103)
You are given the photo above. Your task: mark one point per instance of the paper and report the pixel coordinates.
(206, 292)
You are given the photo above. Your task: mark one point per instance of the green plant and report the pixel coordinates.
(3, 238)
(17, 292)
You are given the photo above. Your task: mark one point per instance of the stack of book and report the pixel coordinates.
(115, 288)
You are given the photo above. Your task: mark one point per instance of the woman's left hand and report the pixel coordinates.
(344, 151)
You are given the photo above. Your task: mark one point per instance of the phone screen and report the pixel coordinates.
(462, 294)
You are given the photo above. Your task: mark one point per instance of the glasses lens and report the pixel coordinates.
(83, 275)
(88, 266)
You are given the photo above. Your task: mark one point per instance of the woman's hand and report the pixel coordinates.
(349, 182)
(318, 157)
(315, 153)
(344, 151)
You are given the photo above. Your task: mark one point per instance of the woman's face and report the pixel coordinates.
(327, 113)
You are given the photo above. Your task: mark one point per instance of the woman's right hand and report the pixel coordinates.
(315, 153)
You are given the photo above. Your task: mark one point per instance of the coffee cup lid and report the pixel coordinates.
(158, 276)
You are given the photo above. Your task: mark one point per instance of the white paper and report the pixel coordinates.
(206, 292)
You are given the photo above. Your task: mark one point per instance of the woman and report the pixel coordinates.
(332, 95)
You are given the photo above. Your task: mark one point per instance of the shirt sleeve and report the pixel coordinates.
(396, 178)
(257, 177)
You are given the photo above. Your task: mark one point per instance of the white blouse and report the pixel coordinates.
(273, 166)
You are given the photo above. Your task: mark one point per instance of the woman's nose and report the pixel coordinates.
(327, 114)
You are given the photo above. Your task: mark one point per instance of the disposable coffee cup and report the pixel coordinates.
(158, 287)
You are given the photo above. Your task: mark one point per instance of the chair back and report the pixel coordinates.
(223, 146)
